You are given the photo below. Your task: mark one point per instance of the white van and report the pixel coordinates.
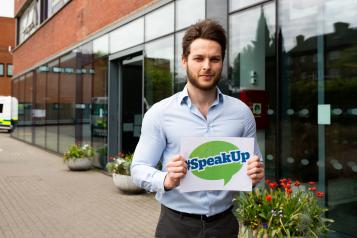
(8, 112)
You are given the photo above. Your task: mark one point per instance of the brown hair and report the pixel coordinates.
(206, 29)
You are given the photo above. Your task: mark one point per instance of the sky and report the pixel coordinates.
(7, 8)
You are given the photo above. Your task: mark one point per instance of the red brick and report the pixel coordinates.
(7, 38)
(72, 24)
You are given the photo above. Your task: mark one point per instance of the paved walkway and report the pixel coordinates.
(39, 197)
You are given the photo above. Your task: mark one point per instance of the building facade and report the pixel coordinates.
(85, 73)
(7, 42)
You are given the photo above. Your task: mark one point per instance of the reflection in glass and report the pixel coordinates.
(158, 68)
(196, 9)
(84, 86)
(39, 111)
(340, 87)
(299, 87)
(28, 107)
(238, 4)
(99, 109)
(101, 46)
(127, 36)
(318, 46)
(52, 107)
(15, 93)
(180, 73)
(67, 100)
(21, 112)
(159, 22)
(252, 54)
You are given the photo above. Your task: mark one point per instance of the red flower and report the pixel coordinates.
(268, 198)
(320, 194)
(273, 185)
(287, 186)
(289, 191)
(312, 189)
(311, 183)
(267, 181)
(297, 183)
(283, 181)
(121, 154)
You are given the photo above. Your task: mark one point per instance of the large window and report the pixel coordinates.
(28, 94)
(83, 101)
(159, 22)
(127, 36)
(67, 101)
(159, 63)
(252, 72)
(52, 106)
(39, 108)
(319, 130)
(196, 8)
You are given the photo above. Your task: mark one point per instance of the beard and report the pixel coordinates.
(194, 80)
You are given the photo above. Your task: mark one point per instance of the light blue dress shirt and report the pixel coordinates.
(163, 127)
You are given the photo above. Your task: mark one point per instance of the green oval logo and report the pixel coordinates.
(216, 160)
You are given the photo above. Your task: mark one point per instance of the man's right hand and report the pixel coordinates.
(176, 169)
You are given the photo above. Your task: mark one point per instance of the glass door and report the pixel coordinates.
(131, 102)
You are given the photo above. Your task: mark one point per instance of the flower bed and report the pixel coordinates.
(283, 209)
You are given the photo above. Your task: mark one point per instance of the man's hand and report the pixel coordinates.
(176, 169)
(255, 169)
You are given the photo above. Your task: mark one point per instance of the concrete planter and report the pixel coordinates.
(79, 164)
(125, 184)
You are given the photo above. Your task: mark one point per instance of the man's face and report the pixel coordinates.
(204, 64)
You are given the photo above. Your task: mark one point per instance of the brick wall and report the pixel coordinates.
(7, 33)
(73, 23)
(19, 4)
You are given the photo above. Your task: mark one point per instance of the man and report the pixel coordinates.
(199, 110)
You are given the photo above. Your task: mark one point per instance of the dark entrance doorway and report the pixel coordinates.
(130, 99)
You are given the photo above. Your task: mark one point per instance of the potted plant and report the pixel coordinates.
(282, 209)
(79, 157)
(119, 166)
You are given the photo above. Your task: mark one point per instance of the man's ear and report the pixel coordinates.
(184, 61)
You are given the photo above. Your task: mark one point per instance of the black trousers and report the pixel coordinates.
(173, 225)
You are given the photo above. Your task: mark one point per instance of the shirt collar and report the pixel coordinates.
(184, 98)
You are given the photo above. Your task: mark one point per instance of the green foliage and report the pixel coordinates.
(79, 152)
(283, 211)
(120, 164)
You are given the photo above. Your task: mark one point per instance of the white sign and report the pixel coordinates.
(216, 163)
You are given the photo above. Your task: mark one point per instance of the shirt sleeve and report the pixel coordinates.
(148, 153)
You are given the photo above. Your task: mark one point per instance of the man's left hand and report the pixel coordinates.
(255, 169)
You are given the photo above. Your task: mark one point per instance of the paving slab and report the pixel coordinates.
(40, 197)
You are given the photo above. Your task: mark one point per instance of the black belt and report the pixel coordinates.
(199, 216)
